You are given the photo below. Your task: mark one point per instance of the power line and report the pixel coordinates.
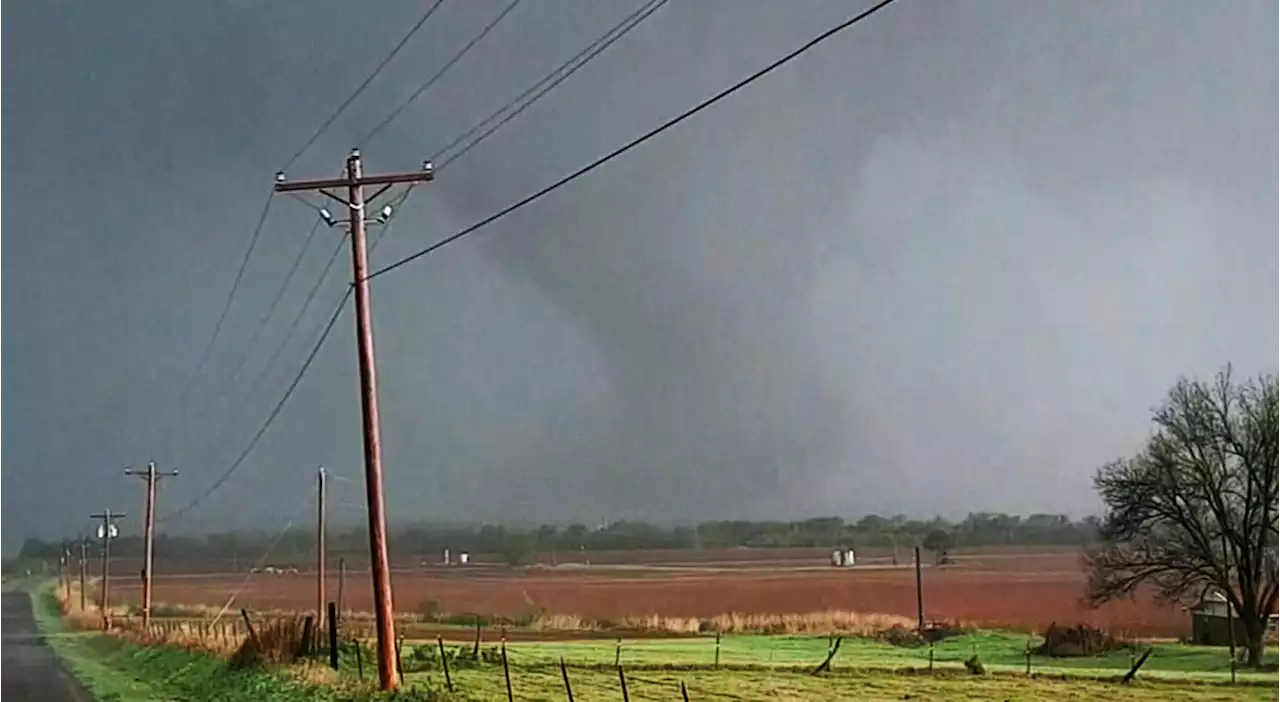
(275, 302)
(258, 382)
(548, 82)
(445, 69)
(235, 287)
(257, 564)
(397, 205)
(638, 140)
(324, 334)
(364, 84)
(315, 289)
(545, 85)
(275, 355)
(275, 412)
(297, 319)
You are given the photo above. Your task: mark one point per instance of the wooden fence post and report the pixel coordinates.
(622, 680)
(253, 636)
(717, 650)
(444, 661)
(359, 659)
(506, 672)
(1134, 670)
(825, 666)
(564, 673)
(308, 631)
(333, 635)
(684, 693)
(399, 668)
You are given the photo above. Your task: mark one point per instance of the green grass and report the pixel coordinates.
(545, 683)
(764, 668)
(775, 669)
(999, 652)
(115, 670)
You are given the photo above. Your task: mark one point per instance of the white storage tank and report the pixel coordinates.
(837, 558)
(848, 558)
(464, 558)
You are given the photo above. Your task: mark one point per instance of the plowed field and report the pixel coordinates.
(1019, 590)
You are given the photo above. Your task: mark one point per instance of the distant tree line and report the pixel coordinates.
(517, 545)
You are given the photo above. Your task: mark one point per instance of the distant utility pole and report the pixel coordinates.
(106, 531)
(84, 558)
(320, 548)
(357, 205)
(151, 476)
(919, 595)
(64, 570)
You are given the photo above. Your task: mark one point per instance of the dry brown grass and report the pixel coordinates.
(562, 622)
(74, 616)
(658, 623)
(278, 641)
(825, 622)
(829, 621)
(219, 639)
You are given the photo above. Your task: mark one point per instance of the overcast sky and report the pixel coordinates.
(946, 262)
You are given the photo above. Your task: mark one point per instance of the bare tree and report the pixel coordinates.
(1197, 508)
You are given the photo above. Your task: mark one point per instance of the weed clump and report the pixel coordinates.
(1077, 642)
(973, 664)
(278, 641)
(937, 631)
(898, 635)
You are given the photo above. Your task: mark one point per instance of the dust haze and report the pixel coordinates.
(947, 262)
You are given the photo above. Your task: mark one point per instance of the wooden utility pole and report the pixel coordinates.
(84, 558)
(1231, 623)
(919, 594)
(342, 586)
(64, 571)
(320, 549)
(150, 476)
(106, 532)
(355, 181)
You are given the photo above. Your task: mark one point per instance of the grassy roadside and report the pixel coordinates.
(760, 668)
(115, 670)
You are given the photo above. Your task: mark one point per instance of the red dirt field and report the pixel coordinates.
(1020, 590)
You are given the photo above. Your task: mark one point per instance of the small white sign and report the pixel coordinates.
(112, 530)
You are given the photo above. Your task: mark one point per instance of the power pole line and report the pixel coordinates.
(106, 531)
(342, 587)
(355, 181)
(84, 558)
(320, 551)
(64, 571)
(151, 476)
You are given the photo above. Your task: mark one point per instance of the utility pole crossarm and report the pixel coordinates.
(425, 175)
(159, 474)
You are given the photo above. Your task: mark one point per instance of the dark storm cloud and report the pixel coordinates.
(945, 262)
